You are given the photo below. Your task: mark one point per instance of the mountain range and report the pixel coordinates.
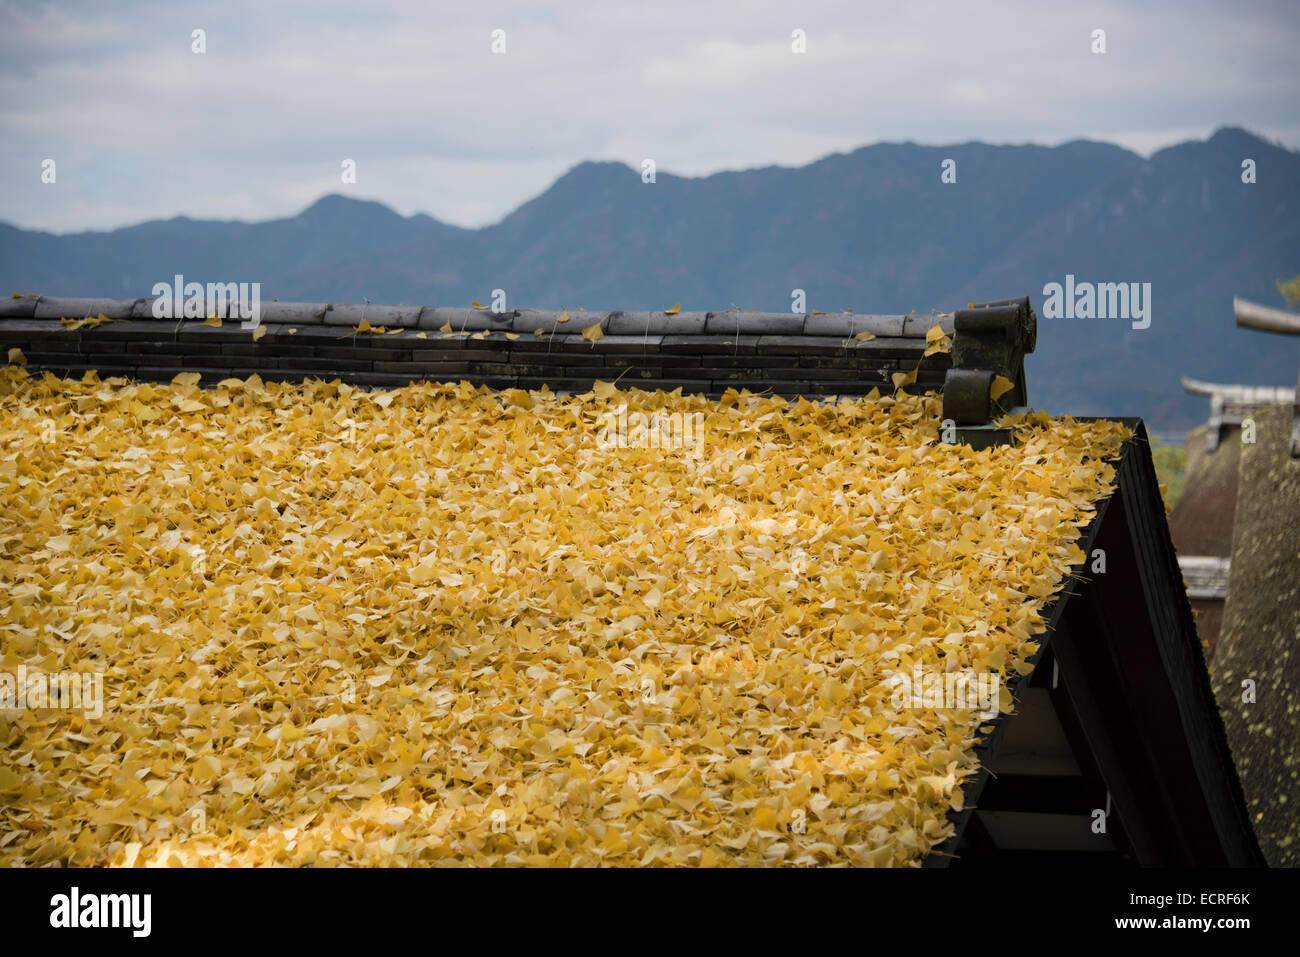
(871, 231)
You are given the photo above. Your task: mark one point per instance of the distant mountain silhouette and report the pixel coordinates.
(872, 231)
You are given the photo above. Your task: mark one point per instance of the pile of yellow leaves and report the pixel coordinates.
(441, 625)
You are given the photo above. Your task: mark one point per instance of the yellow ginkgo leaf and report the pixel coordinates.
(445, 327)
(593, 333)
(864, 337)
(1001, 385)
(936, 341)
(214, 321)
(16, 356)
(424, 570)
(901, 379)
(259, 332)
(89, 322)
(562, 317)
(613, 841)
(476, 304)
(674, 310)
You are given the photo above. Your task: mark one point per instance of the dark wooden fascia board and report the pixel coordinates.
(1182, 659)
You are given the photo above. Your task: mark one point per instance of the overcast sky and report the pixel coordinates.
(140, 127)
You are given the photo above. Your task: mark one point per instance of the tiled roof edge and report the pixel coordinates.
(978, 362)
(704, 353)
(612, 322)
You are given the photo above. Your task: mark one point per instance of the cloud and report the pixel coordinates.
(141, 127)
